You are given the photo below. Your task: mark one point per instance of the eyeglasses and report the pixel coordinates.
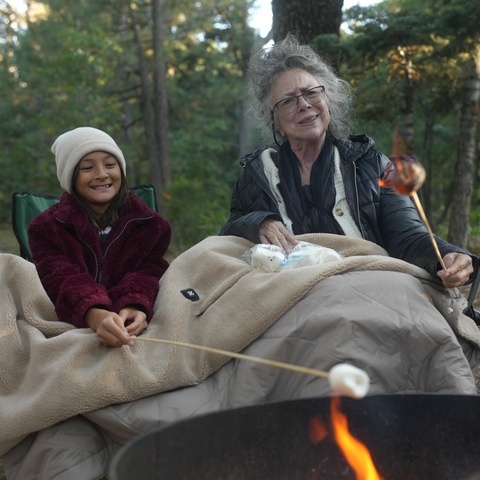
(289, 105)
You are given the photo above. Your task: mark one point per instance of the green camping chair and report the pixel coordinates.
(27, 205)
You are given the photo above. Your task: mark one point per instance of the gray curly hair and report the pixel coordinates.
(265, 67)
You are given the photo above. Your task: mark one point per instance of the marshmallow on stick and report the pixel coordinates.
(349, 380)
(405, 179)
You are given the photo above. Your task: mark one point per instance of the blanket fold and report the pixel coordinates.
(51, 371)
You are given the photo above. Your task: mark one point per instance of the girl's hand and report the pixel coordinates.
(459, 268)
(109, 326)
(135, 320)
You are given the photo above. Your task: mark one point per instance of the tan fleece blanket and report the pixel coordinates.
(50, 371)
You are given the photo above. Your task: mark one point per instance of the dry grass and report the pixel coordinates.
(8, 242)
(476, 301)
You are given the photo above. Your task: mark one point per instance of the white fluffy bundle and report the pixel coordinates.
(271, 258)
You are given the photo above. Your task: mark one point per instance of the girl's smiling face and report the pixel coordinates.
(99, 179)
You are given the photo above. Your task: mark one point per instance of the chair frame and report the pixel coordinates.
(22, 238)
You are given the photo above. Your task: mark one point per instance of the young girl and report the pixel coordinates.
(99, 251)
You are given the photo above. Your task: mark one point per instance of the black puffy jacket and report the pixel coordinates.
(383, 217)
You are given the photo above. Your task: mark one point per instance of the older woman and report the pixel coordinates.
(318, 179)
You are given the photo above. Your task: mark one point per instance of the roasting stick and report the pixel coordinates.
(432, 238)
(425, 221)
(344, 379)
(273, 363)
(407, 178)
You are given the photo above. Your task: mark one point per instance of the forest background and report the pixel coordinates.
(166, 80)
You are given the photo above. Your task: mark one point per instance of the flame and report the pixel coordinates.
(317, 429)
(399, 146)
(404, 175)
(355, 452)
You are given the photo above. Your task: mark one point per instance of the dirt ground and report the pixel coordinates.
(8, 242)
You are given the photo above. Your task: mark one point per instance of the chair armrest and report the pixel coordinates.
(470, 311)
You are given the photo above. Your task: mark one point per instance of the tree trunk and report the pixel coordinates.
(408, 131)
(127, 116)
(462, 181)
(245, 135)
(428, 185)
(476, 178)
(161, 102)
(306, 18)
(241, 43)
(153, 158)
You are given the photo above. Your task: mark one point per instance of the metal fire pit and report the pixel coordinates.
(410, 437)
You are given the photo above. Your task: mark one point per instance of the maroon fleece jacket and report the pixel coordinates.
(79, 272)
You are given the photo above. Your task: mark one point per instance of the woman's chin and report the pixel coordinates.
(314, 138)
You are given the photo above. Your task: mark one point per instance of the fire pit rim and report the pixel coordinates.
(390, 398)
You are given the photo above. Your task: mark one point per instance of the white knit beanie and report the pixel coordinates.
(70, 147)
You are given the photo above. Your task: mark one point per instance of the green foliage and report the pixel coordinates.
(196, 209)
(75, 63)
(202, 181)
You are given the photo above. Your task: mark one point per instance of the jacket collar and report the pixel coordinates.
(350, 149)
(354, 147)
(252, 156)
(69, 212)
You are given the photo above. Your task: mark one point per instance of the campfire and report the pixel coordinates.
(355, 452)
(414, 437)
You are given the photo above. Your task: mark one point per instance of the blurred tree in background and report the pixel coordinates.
(307, 18)
(166, 80)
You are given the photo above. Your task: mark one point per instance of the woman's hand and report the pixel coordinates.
(109, 326)
(273, 232)
(459, 268)
(134, 319)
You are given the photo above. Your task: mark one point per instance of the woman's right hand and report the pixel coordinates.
(109, 326)
(273, 232)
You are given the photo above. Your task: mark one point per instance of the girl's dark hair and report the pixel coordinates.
(110, 217)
